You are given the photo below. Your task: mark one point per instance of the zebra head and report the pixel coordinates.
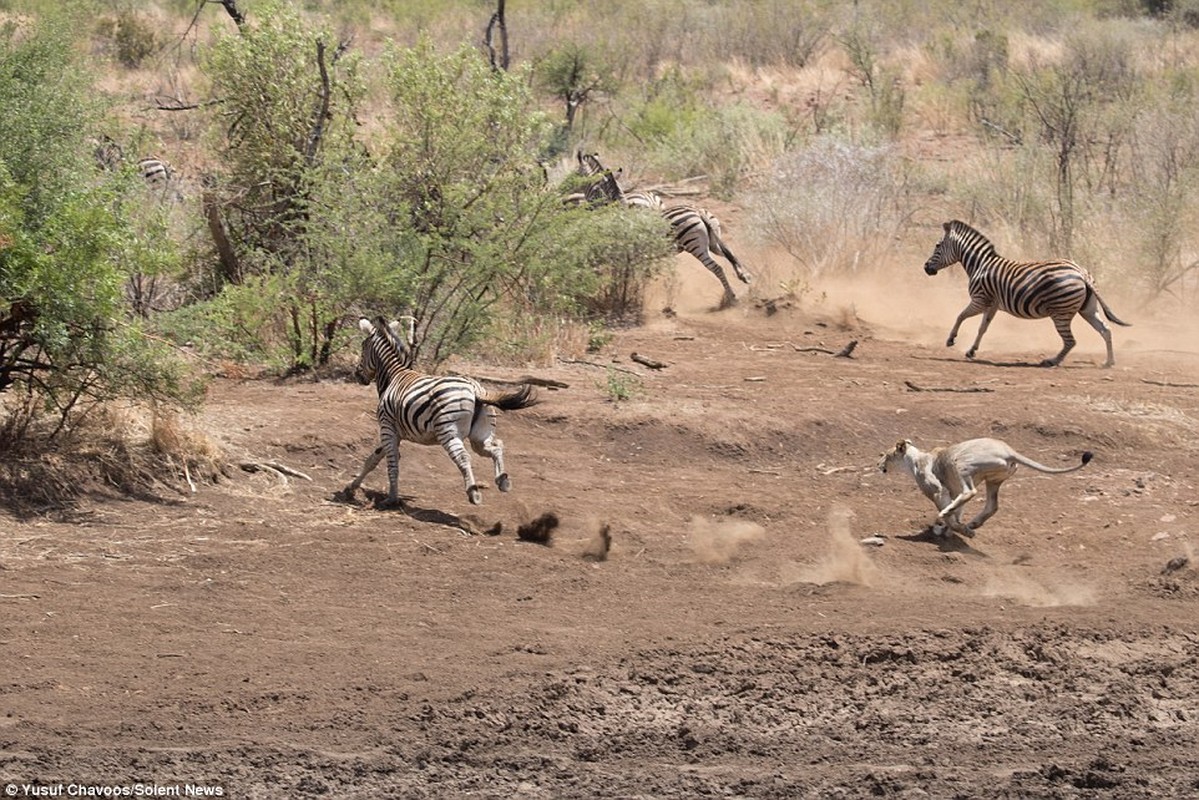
(946, 253)
(384, 344)
(368, 361)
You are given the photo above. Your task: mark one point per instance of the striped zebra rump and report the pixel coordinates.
(155, 172)
(1034, 290)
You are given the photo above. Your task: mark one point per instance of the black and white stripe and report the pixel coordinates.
(694, 230)
(1026, 289)
(429, 409)
(156, 172)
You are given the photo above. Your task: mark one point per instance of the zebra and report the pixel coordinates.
(603, 187)
(693, 229)
(429, 409)
(156, 172)
(1025, 289)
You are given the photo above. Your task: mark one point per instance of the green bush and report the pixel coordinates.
(70, 238)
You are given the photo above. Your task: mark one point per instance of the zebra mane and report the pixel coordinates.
(388, 338)
(970, 238)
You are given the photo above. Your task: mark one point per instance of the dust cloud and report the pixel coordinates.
(845, 561)
(718, 542)
(897, 301)
(1012, 585)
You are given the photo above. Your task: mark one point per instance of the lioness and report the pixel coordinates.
(947, 475)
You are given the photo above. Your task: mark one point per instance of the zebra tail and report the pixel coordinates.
(1107, 312)
(511, 401)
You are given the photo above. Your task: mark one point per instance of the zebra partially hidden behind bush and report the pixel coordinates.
(1026, 289)
(694, 230)
(429, 409)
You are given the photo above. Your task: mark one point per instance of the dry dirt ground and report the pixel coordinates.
(262, 637)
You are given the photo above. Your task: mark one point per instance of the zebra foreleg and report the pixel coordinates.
(372, 461)
(969, 311)
(391, 447)
(988, 315)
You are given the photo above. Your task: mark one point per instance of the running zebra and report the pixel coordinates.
(694, 230)
(428, 409)
(1026, 289)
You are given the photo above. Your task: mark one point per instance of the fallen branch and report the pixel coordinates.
(273, 466)
(1171, 385)
(649, 362)
(913, 387)
(594, 364)
(844, 352)
(548, 383)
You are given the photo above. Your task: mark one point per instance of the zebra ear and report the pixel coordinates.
(901, 446)
(946, 226)
(365, 326)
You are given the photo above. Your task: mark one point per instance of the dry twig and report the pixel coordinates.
(967, 389)
(649, 362)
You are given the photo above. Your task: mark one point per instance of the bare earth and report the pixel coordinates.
(261, 637)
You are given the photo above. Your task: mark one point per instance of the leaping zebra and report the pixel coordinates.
(694, 230)
(429, 409)
(1026, 289)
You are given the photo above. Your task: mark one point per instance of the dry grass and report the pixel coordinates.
(124, 450)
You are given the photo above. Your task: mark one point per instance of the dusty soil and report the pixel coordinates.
(262, 637)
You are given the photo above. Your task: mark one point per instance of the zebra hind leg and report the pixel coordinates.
(1063, 330)
(720, 248)
(1091, 315)
(457, 452)
(492, 447)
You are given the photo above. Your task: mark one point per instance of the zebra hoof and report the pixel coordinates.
(949, 342)
(1049, 362)
(475, 495)
(970, 354)
(502, 482)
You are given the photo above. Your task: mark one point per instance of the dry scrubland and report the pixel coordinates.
(251, 631)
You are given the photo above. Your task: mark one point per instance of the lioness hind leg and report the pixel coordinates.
(990, 508)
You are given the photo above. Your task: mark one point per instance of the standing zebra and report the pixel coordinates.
(156, 172)
(694, 230)
(1026, 289)
(429, 409)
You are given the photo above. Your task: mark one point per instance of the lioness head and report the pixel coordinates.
(894, 455)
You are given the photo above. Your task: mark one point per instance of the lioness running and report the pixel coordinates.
(947, 476)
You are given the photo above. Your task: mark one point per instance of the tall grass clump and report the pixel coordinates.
(834, 206)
